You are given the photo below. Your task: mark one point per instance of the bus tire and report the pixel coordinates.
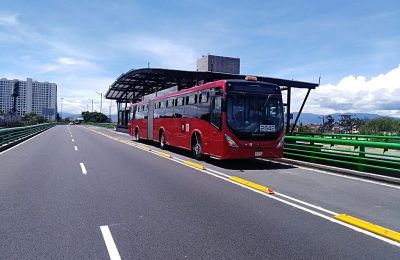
(197, 147)
(162, 140)
(137, 136)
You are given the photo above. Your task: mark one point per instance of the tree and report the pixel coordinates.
(381, 126)
(58, 118)
(328, 124)
(1, 112)
(94, 117)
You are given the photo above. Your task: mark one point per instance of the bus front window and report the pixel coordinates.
(254, 114)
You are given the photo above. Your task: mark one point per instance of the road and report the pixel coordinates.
(72, 193)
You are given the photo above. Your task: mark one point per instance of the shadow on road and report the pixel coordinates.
(233, 164)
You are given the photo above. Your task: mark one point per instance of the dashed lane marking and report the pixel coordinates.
(110, 244)
(83, 168)
(76, 148)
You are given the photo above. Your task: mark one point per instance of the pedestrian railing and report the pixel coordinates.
(11, 135)
(368, 154)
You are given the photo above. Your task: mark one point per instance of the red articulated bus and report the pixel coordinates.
(226, 119)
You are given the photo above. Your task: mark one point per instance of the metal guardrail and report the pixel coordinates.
(363, 155)
(11, 135)
(372, 138)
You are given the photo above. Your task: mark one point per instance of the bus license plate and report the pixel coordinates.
(258, 154)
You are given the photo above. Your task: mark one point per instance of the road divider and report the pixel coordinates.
(144, 148)
(251, 184)
(166, 155)
(381, 231)
(195, 165)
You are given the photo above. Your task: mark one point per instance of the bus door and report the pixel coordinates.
(216, 135)
(150, 118)
(180, 121)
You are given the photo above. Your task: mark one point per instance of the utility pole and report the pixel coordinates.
(101, 101)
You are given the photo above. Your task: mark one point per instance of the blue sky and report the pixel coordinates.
(83, 46)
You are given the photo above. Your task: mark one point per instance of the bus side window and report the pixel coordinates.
(190, 108)
(161, 109)
(133, 112)
(216, 115)
(203, 107)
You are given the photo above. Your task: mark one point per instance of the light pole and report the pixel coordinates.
(101, 101)
(62, 99)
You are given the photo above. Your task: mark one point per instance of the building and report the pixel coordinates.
(219, 64)
(32, 96)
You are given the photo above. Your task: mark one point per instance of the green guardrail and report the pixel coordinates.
(372, 138)
(362, 155)
(8, 136)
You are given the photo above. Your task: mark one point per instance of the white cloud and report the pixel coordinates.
(66, 64)
(380, 94)
(161, 52)
(8, 20)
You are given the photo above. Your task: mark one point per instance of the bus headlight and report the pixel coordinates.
(230, 141)
(281, 142)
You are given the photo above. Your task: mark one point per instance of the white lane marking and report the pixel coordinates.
(76, 148)
(306, 203)
(73, 140)
(339, 175)
(29, 139)
(330, 218)
(83, 168)
(110, 244)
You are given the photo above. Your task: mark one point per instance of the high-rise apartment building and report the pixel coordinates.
(33, 96)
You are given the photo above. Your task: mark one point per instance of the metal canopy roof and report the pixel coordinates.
(137, 83)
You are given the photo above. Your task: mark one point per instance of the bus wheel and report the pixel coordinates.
(197, 147)
(162, 140)
(137, 137)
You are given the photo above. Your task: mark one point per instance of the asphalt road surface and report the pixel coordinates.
(72, 193)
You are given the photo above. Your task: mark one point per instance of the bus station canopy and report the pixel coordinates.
(136, 83)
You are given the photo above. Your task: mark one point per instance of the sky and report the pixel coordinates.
(83, 46)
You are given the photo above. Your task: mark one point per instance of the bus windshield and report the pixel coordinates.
(254, 115)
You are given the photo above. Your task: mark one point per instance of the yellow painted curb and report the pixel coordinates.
(196, 165)
(251, 184)
(144, 148)
(382, 231)
(166, 155)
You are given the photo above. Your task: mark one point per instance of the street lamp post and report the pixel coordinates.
(101, 101)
